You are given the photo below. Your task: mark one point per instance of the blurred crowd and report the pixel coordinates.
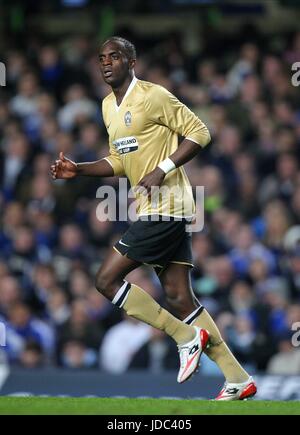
(247, 258)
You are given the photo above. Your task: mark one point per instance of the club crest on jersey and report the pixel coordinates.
(127, 119)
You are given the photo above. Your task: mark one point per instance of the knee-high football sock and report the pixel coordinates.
(140, 305)
(218, 350)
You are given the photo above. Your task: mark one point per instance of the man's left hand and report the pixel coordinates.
(154, 178)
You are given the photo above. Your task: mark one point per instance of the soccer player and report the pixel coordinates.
(143, 121)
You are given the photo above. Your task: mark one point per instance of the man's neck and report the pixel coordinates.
(121, 91)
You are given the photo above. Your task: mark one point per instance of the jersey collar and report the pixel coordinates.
(129, 89)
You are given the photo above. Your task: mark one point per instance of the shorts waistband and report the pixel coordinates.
(163, 218)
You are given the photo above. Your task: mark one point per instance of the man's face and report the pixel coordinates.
(114, 64)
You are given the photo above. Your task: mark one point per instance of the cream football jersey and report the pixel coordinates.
(143, 131)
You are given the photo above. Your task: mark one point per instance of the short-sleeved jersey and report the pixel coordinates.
(143, 131)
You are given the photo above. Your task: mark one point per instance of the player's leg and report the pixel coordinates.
(134, 300)
(150, 242)
(137, 303)
(175, 279)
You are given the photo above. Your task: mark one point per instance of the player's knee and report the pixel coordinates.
(178, 298)
(181, 305)
(170, 287)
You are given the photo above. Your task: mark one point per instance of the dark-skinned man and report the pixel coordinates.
(143, 121)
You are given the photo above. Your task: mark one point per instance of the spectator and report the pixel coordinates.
(10, 294)
(28, 328)
(32, 356)
(286, 361)
(78, 107)
(75, 355)
(116, 358)
(57, 308)
(14, 165)
(25, 102)
(78, 327)
(156, 355)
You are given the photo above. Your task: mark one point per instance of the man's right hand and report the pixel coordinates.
(63, 168)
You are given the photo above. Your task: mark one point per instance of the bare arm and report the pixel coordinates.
(184, 153)
(66, 168)
(100, 168)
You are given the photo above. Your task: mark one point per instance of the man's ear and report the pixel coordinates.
(132, 63)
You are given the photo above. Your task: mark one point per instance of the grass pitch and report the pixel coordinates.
(95, 406)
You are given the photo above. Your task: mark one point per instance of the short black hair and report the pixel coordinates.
(130, 49)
